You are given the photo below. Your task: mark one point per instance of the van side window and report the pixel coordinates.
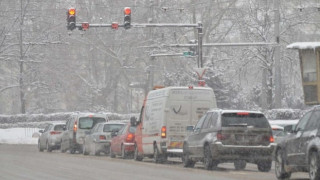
(207, 121)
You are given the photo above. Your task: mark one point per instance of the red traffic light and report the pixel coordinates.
(127, 11)
(72, 11)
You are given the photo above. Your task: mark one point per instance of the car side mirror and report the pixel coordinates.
(41, 131)
(133, 121)
(114, 133)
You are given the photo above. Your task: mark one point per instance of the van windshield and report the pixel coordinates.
(89, 122)
(250, 119)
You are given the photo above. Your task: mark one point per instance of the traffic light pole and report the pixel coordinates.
(86, 26)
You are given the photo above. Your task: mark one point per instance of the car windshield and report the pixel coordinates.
(249, 119)
(112, 127)
(89, 122)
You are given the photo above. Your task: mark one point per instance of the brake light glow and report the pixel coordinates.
(163, 132)
(130, 137)
(243, 113)
(271, 139)
(102, 137)
(55, 132)
(190, 87)
(75, 126)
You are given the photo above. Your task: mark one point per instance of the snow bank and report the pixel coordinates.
(304, 45)
(18, 136)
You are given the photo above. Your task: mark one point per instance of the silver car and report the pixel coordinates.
(99, 138)
(50, 138)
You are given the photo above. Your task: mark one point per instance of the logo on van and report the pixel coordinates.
(178, 110)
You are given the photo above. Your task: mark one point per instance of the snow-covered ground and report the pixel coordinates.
(19, 136)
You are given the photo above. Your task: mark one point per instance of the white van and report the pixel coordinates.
(164, 118)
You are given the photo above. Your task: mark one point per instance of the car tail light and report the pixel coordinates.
(130, 137)
(102, 137)
(221, 136)
(75, 126)
(163, 132)
(55, 132)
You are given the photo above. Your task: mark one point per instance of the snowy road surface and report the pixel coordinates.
(25, 162)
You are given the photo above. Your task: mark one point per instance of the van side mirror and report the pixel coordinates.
(190, 128)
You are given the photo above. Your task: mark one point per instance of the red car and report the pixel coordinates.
(122, 143)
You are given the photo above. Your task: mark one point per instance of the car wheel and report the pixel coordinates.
(62, 149)
(84, 150)
(124, 154)
(112, 155)
(72, 151)
(39, 147)
(240, 164)
(207, 159)
(279, 166)
(48, 147)
(96, 153)
(136, 154)
(264, 166)
(187, 162)
(314, 166)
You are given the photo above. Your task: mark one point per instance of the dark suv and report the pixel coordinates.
(230, 136)
(299, 151)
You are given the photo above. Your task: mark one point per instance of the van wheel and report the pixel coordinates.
(314, 166)
(136, 154)
(112, 155)
(187, 162)
(72, 151)
(240, 164)
(39, 147)
(84, 150)
(156, 155)
(207, 159)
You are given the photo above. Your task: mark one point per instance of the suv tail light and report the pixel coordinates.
(221, 136)
(102, 137)
(55, 132)
(75, 127)
(130, 137)
(163, 132)
(271, 139)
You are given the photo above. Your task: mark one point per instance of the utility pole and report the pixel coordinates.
(21, 66)
(277, 80)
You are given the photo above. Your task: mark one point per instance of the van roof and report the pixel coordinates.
(81, 114)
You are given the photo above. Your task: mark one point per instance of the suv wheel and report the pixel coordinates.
(136, 154)
(187, 162)
(240, 164)
(48, 147)
(207, 158)
(314, 166)
(264, 166)
(279, 166)
(112, 155)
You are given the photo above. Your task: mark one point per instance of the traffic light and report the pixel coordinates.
(127, 18)
(71, 19)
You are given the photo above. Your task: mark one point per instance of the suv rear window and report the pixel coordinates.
(112, 127)
(89, 122)
(244, 119)
(59, 127)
